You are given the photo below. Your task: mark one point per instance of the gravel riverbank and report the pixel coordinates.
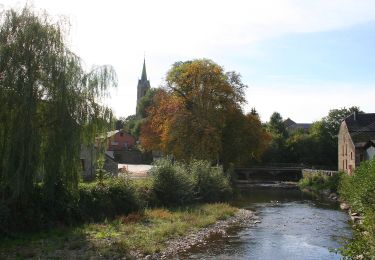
(178, 245)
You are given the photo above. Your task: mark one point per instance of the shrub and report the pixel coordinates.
(32, 214)
(211, 184)
(319, 182)
(172, 184)
(5, 219)
(145, 192)
(359, 189)
(113, 197)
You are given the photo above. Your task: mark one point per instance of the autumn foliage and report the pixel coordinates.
(198, 115)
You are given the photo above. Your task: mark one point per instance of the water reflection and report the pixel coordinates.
(293, 226)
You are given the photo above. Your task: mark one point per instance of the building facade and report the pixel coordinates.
(356, 141)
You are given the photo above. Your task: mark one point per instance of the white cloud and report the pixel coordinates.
(118, 32)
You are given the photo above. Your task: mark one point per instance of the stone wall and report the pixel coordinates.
(323, 172)
(128, 157)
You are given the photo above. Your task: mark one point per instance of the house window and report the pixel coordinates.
(351, 155)
(343, 164)
(346, 164)
(121, 134)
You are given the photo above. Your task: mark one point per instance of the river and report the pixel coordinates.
(293, 225)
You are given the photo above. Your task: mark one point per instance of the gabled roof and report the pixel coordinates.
(365, 145)
(289, 122)
(112, 133)
(291, 125)
(361, 127)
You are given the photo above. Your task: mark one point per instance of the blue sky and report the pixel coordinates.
(330, 69)
(300, 58)
(339, 55)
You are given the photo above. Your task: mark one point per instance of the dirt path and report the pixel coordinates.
(135, 170)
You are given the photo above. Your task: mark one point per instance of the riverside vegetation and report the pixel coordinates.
(319, 183)
(165, 205)
(359, 192)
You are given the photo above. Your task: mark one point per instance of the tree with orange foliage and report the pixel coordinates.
(191, 115)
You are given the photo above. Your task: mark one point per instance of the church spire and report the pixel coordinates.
(143, 84)
(144, 74)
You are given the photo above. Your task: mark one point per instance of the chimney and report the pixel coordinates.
(355, 114)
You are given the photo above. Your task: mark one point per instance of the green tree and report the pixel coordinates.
(276, 125)
(336, 116)
(277, 150)
(317, 147)
(119, 123)
(299, 147)
(145, 102)
(244, 139)
(49, 106)
(132, 125)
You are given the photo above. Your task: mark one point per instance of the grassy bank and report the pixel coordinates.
(145, 232)
(112, 216)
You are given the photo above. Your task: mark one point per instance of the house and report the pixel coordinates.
(114, 142)
(356, 141)
(292, 126)
(119, 140)
(121, 146)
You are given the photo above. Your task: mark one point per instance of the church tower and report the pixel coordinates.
(143, 83)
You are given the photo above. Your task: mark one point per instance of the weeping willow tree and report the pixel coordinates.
(49, 106)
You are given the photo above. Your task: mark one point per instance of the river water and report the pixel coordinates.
(293, 225)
